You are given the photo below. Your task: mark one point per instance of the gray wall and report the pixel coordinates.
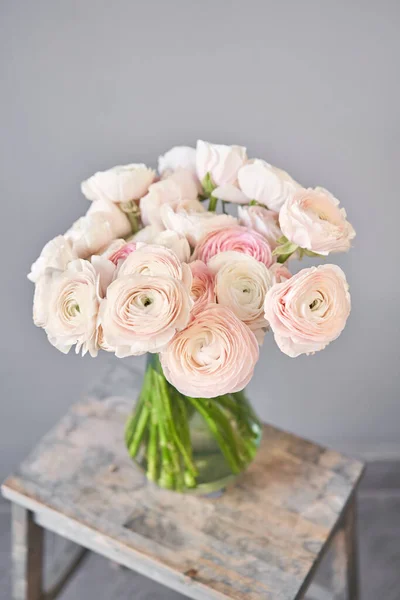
(310, 86)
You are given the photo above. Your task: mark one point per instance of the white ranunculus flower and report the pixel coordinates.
(56, 254)
(312, 219)
(221, 162)
(90, 234)
(179, 190)
(118, 220)
(267, 184)
(119, 184)
(179, 157)
(194, 225)
(241, 284)
(262, 220)
(66, 304)
(142, 313)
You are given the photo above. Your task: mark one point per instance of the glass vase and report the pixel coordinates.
(195, 445)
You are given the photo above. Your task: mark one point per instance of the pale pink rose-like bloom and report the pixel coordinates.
(142, 313)
(309, 310)
(194, 225)
(214, 355)
(279, 273)
(222, 163)
(93, 233)
(119, 184)
(90, 234)
(178, 157)
(153, 234)
(202, 291)
(122, 253)
(178, 190)
(241, 284)
(66, 304)
(118, 220)
(262, 220)
(56, 254)
(267, 184)
(239, 239)
(312, 219)
(154, 261)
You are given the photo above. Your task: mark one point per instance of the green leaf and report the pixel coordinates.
(286, 248)
(282, 240)
(208, 184)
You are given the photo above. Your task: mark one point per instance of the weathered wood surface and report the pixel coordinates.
(259, 540)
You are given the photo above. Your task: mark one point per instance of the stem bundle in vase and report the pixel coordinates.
(186, 443)
(159, 265)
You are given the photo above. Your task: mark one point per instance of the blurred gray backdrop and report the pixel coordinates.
(312, 87)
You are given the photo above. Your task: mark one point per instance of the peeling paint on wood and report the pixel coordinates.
(260, 539)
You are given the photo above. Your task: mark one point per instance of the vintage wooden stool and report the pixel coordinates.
(262, 539)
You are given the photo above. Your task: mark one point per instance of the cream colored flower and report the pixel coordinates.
(241, 284)
(313, 220)
(66, 304)
(56, 254)
(215, 355)
(151, 234)
(142, 313)
(90, 234)
(117, 219)
(179, 190)
(221, 162)
(119, 184)
(267, 184)
(154, 261)
(309, 310)
(194, 225)
(179, 157)
(262, 220)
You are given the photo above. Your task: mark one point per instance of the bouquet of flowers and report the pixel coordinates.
(158, 265)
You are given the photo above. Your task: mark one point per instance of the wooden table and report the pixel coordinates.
(262, 539)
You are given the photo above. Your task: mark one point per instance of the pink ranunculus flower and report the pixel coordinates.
(312, 219)
(153, 234)
(241, 284)
(142, 313)
(267, 184)
(194, 225)
(214, 355)
(154, 261)
(309, 310)
(178, 190)
(111, 212)
(262, 220)
(119, 184)
(279, 273)
(122, 253)
(238, 239)
(203, 284)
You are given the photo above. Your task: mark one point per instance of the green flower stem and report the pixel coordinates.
(139, 430)
(212, 205)
(178, 441)
(152, 449)
(132, 422)
(215, 428)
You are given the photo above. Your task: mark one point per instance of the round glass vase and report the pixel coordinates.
(192, 445)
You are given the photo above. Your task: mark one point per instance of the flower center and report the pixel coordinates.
(315, 304)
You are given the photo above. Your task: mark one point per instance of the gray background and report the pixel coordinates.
(310, 86)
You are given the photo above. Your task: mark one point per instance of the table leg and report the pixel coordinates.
(27, 555)
(350, 526)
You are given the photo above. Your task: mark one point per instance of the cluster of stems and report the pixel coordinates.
(159, 430)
